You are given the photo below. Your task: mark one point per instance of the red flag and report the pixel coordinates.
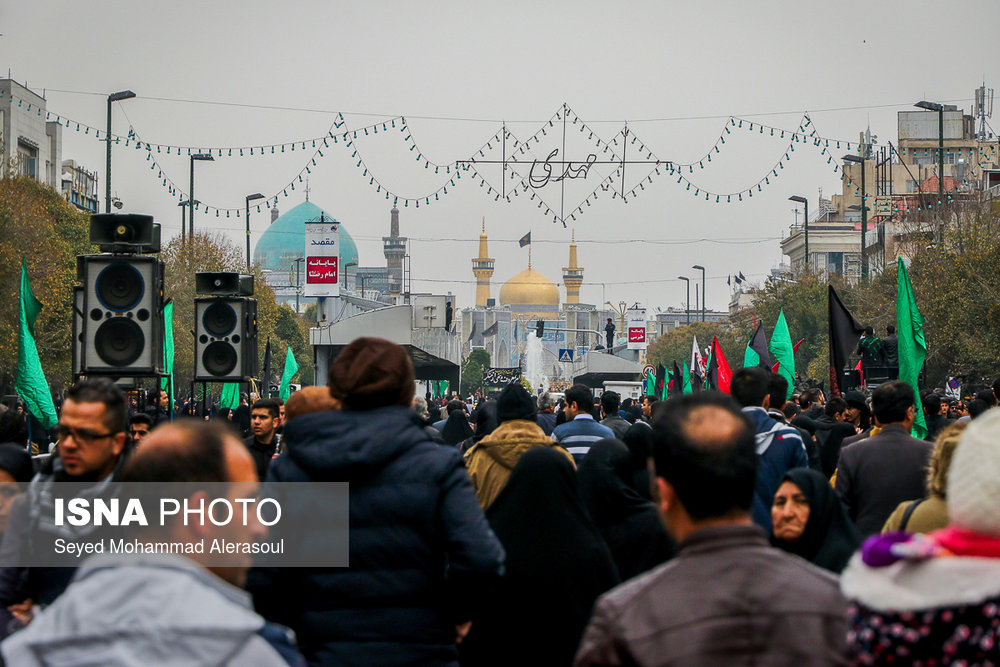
(719, 372)
(795, 348)
(860, 371)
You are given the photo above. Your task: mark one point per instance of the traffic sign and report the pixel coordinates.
(566, 354)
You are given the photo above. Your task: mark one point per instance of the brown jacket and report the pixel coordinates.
(930, 515)
(727, 598)
(491, 460)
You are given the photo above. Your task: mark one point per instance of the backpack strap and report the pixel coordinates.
(909, 512)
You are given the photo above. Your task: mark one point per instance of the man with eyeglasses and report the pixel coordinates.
(90, 450)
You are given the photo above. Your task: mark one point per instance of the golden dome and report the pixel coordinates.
(529, 288)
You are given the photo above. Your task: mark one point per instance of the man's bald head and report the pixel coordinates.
(703, 446)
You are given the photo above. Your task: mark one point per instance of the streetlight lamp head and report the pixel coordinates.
(930, 106)
(121, 95)
(699, 267)
(254, 196)
(203, 156)
(852, 158)
(797, 198)
(683, 278)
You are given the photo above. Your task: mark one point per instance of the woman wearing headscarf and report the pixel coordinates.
(557, 565)
(629, 523)
(810, 521)
(457, 428)
(639, 440)
(486, 423)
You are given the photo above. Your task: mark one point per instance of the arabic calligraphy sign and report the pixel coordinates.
(637, 329)
(499, 377)
(570, 170)
(322, 253)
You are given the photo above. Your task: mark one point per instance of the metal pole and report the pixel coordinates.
(864, 224)
(183, 220)
(107, 171)
(805, 229)
(687, 302)
(940, 174)
(191, 202)
(248, 234)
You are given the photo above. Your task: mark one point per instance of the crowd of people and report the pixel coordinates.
(704, 529)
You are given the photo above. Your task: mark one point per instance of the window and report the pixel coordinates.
(27, 160)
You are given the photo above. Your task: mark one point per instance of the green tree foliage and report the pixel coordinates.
(472, 371)
(214, 252)
(38, 225)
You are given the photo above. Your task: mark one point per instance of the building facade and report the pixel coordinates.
(31, 144)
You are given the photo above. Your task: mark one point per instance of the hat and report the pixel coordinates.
(974, 477)
(855, 399)
(371, 373)
(515, 403)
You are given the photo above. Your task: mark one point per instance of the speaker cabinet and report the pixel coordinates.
(225, 347)
(78, 310)
(122, 315)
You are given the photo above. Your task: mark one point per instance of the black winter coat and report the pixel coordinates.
(421, 550)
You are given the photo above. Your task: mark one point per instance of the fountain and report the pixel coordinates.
(534, 364)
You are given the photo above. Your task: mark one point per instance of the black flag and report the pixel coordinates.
(677, 380)
(525, 240)
(661, 380)
(844, 333)
(758, 343)
(729, 280)
(742, 277)
(492, 330)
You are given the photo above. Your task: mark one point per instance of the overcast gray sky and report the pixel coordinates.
(674, 70)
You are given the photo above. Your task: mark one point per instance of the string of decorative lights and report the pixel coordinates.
(520, 148)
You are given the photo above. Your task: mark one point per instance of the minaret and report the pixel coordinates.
(482, 268)
(573, 275)
(394, 249)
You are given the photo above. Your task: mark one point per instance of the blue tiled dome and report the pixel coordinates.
(285, 240)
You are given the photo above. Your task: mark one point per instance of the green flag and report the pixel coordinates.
(912, 347)
(784, 353)
(168, 350)
(687, 388)
(30, 382)
(291, 368)
(230, 397)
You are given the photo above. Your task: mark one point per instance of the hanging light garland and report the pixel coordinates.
(521, 155)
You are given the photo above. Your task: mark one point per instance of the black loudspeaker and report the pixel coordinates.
(225, 346)
(129, 231)
(78, 310)
(123, 315)
(223, 284)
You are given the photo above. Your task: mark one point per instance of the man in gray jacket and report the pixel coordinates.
(162, 609)
(727, 597)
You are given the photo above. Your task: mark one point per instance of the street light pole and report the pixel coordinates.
(934, 106)
(805, 225)
(703, 297)
(298, 281)
(113, 97)
(687, 303)
(249, 199)
(206, 157)
(864, 213)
